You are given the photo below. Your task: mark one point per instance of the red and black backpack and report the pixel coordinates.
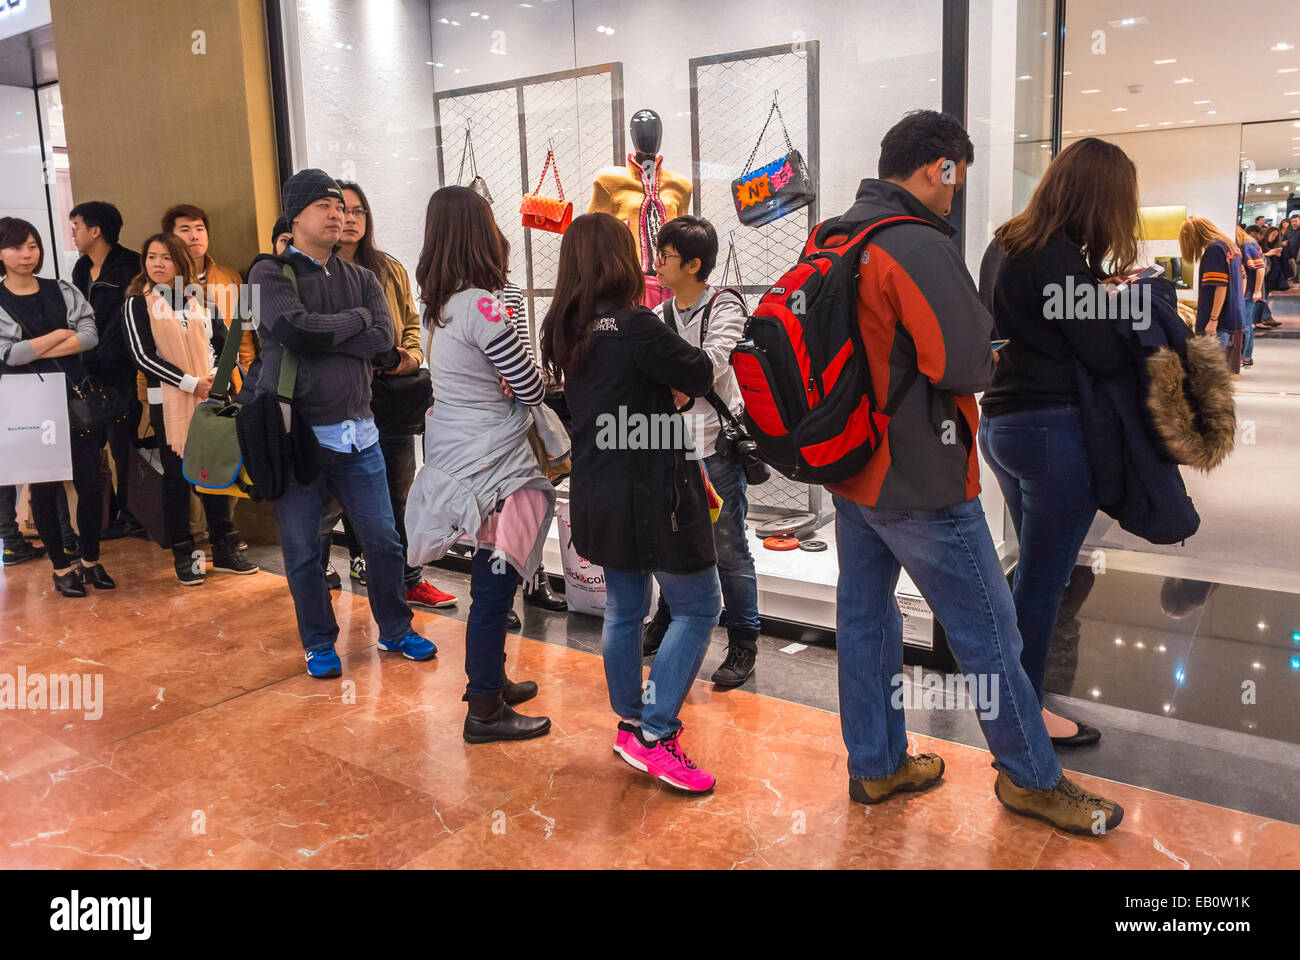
(802, 367)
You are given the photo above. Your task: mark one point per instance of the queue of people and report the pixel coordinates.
(339, 314)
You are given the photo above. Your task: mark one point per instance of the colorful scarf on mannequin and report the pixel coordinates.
(183, 342)
(653, 214)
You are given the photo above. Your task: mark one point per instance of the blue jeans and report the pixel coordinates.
(1253, 313)
(949, 555)
(735, 562)
(695, 602)
(491, 594)
(357, 480)
(1042, 466)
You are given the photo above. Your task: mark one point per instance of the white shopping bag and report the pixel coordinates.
(35, 443)
(584, 581)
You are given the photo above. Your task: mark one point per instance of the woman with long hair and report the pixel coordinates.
(1274, 248)
(1080, 230)
(637, 491)
(1253, 303)
(175, 340)
(1219, 297)
(357, 244)
(481, 481)
(45, 326)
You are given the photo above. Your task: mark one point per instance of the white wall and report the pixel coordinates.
(1196, 167)
(877, 61)
(367, 101)
(22, 187)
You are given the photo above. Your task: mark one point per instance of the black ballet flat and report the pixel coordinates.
(1085, 736)
(97, 577)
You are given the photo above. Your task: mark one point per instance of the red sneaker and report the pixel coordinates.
(425, 594)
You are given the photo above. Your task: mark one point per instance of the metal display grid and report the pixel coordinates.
(731, 94)
(578, 113)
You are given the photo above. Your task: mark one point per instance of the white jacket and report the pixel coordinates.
(726, 328)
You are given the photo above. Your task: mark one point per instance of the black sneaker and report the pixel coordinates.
(736, 668)
(359, 570)
(227, 557)
(189, 571)
(24, 551)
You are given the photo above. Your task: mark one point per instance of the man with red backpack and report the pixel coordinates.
(883, 412)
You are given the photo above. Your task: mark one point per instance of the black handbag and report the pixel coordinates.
(400, 402)
(92, 408)
(774, 189)
(478, 184)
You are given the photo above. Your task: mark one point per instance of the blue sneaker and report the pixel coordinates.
(412, 646)
(323, 663)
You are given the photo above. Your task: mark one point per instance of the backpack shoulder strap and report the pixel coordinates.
(288, 359)
(708, 309)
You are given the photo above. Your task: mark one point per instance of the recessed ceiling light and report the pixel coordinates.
(1292, 93)
(1163, 62)
(1118, 109)
(1281, 47)
(1144, 124)
(1090, 91)
(1289, 69)
(1066, 73)
(1183, 80)
(1165, 123)
(1128, 22)
(1024, 77)
(1199, 102)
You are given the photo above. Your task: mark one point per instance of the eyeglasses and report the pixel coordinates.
(357, 212)
(661, 257)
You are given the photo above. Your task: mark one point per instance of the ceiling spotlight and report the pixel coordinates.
(1090, 91)
(1163, 62)
(1199, 102)
(1118, 109)
(1282, 47)
(1184, 80)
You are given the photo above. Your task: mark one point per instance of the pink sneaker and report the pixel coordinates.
(625, 730)
(666, 760)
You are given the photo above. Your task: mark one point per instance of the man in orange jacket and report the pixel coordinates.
(190, 223)
(915, 505)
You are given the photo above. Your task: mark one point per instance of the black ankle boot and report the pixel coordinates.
(97, 576)
(652, 634)
(491, 719)
(738, 666)
(189, 571)
(515, 693)
(227, 557)
(513, 622)
(69, 584)
(538, 592)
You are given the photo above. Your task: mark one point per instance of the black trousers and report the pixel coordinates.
(87, 481)
(176, 493)
(121, 440)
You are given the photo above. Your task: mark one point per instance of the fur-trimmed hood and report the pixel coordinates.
(1191, 404)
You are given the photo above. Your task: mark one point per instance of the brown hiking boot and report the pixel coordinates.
(914, 774)
(1067, 806)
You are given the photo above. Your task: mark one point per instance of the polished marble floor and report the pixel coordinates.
(214, 749)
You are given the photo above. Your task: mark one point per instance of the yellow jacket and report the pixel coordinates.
(223, 290)
(618, 192)
(406, 322)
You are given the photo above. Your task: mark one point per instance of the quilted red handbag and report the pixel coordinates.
(547, 213)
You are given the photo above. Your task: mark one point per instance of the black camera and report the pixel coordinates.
(735, 444)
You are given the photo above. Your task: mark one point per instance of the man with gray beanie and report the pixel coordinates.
(337, 324)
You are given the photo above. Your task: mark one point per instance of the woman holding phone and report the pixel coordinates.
(1080, 228)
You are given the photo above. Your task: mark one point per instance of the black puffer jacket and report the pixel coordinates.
(637, 500)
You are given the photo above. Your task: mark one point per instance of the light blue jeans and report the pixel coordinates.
(695, 601)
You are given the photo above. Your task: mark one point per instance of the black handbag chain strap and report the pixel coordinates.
(467, 150)
(776, 108)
